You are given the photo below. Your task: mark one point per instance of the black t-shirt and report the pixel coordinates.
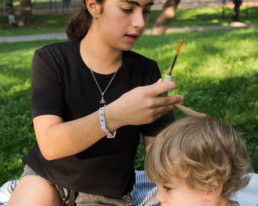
(63, 85)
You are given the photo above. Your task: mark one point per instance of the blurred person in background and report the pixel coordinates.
(235, 15)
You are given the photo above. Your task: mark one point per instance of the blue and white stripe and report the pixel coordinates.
(144, 191)
(6, 191)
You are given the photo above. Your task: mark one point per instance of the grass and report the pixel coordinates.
(43, 24)
(52, 23)
(36, 3)
(216, 72)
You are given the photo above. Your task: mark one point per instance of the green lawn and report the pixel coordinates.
(36, 3)
(52, 23)
(216, 72)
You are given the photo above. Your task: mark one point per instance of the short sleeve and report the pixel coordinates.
(159, 124)
(47, 89)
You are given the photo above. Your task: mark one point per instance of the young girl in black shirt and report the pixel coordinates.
(91, 99)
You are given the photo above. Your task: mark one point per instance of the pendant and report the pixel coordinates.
(102, 100)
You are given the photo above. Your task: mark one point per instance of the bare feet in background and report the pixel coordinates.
(237, 23)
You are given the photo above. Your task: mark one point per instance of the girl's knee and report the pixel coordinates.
(34, 190)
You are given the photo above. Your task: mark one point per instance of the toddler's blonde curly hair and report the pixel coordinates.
(196, 150)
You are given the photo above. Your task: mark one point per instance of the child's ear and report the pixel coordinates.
(214, 190)
(93, 7)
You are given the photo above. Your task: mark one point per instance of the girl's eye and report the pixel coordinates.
(127, 10)
(146, 12)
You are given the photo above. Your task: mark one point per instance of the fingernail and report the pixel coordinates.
(181, 98)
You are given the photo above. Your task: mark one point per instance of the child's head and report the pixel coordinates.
(196, 160)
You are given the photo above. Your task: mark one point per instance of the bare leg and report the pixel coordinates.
(235, 15)
(33, 190)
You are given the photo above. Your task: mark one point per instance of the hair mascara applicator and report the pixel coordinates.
(169, 76)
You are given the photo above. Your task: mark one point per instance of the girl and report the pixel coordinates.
(85, 151)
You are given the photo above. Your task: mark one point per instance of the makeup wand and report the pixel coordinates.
(169, 76)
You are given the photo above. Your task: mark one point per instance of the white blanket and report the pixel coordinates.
(249, 195)
(6, 191)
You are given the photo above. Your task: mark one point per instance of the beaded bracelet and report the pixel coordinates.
(103, 125)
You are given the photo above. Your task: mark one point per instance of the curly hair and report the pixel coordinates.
(197, 149)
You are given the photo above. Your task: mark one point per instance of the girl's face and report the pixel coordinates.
(123, 22)
(176, 193)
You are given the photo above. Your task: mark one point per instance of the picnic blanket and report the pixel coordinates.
(144, 192)
(6, 191)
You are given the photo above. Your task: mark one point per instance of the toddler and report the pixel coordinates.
(197, 161)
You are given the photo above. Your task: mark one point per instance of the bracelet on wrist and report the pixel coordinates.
(103, 124)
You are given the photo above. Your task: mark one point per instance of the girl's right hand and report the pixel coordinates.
(142, 105)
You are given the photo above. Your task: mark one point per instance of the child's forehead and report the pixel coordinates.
(171, 181)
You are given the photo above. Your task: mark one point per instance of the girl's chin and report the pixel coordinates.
(126, 47)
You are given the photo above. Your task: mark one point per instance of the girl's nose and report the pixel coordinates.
(138, 20)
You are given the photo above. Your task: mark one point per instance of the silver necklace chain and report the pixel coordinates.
(102, 93)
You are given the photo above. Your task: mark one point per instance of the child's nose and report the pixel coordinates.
(159, 197)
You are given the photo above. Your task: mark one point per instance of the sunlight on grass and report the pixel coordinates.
(215, 21)
(17, 3)
(50, 21)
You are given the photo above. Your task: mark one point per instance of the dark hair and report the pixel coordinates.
(79, 24)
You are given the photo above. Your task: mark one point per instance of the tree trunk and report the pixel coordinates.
(167, 14)
(26, 12)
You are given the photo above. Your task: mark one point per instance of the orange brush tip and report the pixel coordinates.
(179, 45)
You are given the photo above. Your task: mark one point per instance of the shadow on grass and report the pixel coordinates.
(16, 136)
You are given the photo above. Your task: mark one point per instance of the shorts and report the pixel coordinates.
(71, 198)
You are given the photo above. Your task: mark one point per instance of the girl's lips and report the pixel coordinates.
(131, 38)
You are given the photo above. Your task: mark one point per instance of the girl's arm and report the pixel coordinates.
(142, 105)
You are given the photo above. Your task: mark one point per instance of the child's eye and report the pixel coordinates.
(127, 10)
(167, 188)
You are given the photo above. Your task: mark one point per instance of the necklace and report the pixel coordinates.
(102, 101)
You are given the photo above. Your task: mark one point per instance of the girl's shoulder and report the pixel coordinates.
(141, 63)
(142, 67)
(140, 58)
(58, 53)
(59, 48)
